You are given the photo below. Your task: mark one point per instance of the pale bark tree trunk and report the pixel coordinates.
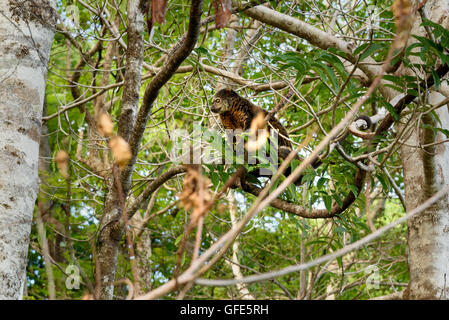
(45, 206)
(143, 256)
(428, 236)
(426, 170)
(24, 50)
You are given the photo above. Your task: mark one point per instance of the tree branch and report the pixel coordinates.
(331, 256)
(176, 57)
(316, 37)
(133, 73)
(301, 211)
(156, 183)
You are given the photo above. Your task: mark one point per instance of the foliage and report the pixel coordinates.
(273, 239)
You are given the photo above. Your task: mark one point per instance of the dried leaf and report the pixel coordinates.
(195, 192)
(120, 150)
(159, 8)
(223, 11)
(87, 296)
(104, 125)
(62, 162)
(258, 141)
(222, 208)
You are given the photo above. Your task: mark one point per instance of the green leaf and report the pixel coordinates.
(340, 229)
(375, 47)
(409, 49)
(354, 189)
(438, 30)
(391, 110)
(292, 192)
(321, 183)
(178, 239)
(436, 79)
(445, 58)
(337, 52)
(443, 131)
(429, 44)
(202, 50)
(395, 79)
(80, 119)
(328, 202)
(215, 178)
(292, 59)
(338, 199)
(361, 48)
(413, 92)
(328, 73)
(334, 62)
(383, 182)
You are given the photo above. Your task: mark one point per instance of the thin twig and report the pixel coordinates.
(331, 256)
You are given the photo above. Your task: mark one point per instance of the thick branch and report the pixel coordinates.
(316, 37)
(407, 99)
(133, 73)
(316, 213)
(169, 68)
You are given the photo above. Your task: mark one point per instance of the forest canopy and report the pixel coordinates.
(359, 85)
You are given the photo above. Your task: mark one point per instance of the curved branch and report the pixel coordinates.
(331, 256)
(156, 183)
(441, 71)
(365, 123)
(315, 36)
(176, 57)
(301, 211)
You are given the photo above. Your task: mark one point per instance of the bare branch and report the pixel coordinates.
(156, 183)
(331, 256)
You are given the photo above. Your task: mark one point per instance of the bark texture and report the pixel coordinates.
(111, 227)
(132, 127)
(426, 170)
(23, 69)
(428, 232)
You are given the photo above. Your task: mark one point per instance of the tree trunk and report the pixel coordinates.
(24, 50)
(426, 170)
(428, 236)
(111, 226)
